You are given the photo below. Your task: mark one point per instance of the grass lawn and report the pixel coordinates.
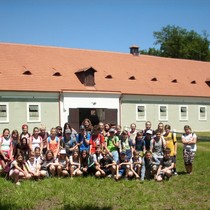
(180, 192)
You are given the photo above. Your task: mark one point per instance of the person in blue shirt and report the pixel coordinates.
(83, 139)
(68, 143)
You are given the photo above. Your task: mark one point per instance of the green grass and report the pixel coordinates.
(181, 192)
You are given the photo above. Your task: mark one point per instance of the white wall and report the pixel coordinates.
(87, 100)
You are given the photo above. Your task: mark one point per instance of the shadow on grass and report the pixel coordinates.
(6, 206)
(182, 173)
(88, 207)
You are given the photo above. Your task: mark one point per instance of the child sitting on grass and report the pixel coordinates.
(48, 165)
(149, 166)
(33, 166)
(136, 163)
(18, 169)
(63, 162)
(74, 160)
(87, 166)
(166, 166)
(107, 164)
(124, 168)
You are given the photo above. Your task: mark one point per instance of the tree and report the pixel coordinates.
(176, 42)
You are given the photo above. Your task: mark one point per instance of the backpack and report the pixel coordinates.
(48, 139)
(162, 144)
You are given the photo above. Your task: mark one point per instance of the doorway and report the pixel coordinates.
(96, 115)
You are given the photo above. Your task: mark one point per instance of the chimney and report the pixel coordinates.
(134, 50)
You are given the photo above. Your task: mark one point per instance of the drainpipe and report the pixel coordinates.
(120, 104)
(59, 107)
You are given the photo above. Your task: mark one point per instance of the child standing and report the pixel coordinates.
(6, 148)
(139, 144)
(35, 140)
(189, 140)
(23, 147)
(171, 143)
(53, 142)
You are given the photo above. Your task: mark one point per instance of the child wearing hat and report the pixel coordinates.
(63, 163)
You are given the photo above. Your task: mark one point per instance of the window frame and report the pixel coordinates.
(199, 113)
(187, 113)
(159, 112)
(28, 112)
(7, 112)
(145, 112)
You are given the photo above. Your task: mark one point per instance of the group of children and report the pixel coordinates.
(101, 150)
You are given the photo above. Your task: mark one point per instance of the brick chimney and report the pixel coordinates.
(134, 50)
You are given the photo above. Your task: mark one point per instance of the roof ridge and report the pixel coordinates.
(59, 47)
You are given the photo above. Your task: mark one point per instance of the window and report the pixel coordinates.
(163, 112)
(33, 112)
(4, 112)
(183, 113)
(141, 112)
(202, 113)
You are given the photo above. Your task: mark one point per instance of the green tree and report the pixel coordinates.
(177, 42)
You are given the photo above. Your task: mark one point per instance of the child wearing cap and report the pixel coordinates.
(147, 140)
(68, 143)
(112, 144)
(63, 162)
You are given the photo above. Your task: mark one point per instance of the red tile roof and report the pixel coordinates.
(44, 62)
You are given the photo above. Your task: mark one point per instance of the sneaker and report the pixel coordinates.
(175, 174)
(109, 176)
(17, 183)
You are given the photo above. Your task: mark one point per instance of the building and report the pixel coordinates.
(52, 85)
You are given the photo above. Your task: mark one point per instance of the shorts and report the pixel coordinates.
(122, 172)
(6, 153)
(135, 167)
(162, 174)
(174, 159)
(107, 171)
(188, 156)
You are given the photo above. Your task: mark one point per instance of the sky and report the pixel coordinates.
(107, 25)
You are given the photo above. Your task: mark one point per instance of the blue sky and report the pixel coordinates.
(108, 25)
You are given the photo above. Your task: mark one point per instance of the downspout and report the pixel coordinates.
(120, 104)
(59, 105)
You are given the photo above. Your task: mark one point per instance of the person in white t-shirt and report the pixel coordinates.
(189, 140)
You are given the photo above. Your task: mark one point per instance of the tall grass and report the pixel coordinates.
(180, 192)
